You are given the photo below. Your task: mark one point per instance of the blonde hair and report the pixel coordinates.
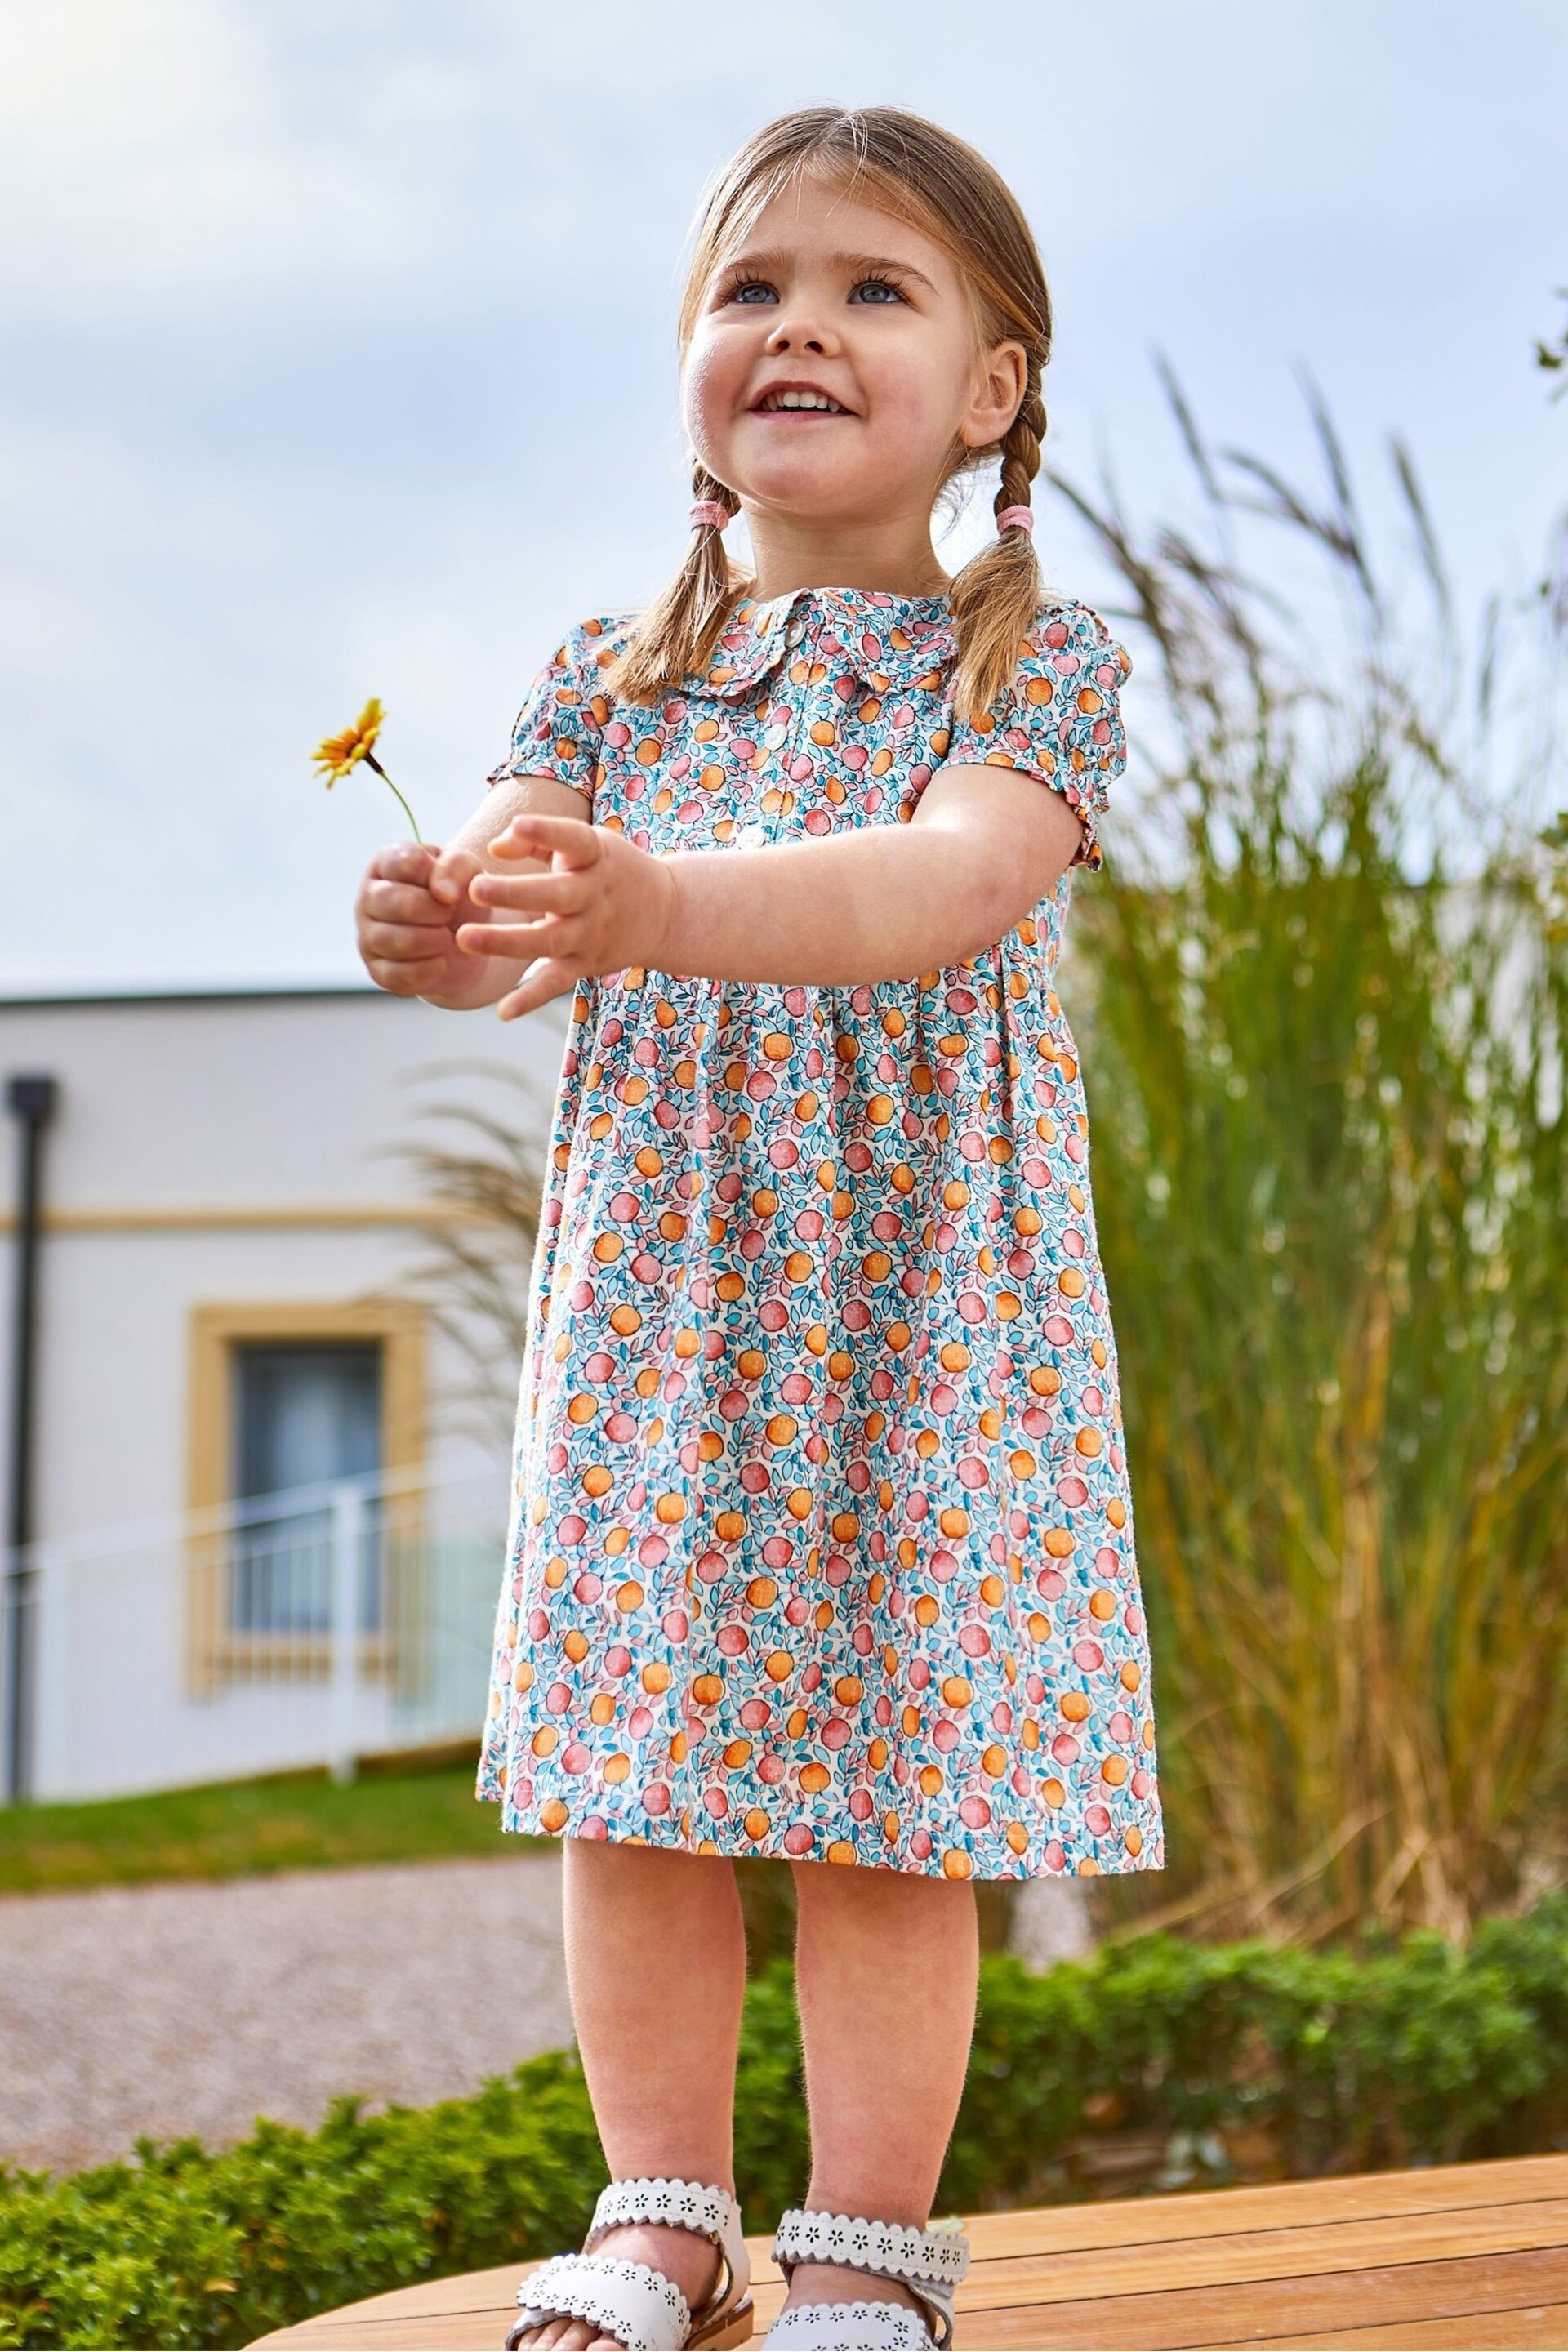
(923, 175)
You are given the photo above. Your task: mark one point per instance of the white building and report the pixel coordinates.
(230, 1304)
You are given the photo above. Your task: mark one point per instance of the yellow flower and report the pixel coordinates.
(341, 753)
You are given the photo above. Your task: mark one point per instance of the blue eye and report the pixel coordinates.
(748, 287)
(876, 289)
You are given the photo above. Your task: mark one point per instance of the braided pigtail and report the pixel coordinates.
(675, 637)
(996, 594)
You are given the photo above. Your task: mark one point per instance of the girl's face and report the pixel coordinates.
(832, 303)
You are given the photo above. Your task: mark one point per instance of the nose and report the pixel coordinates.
(798, 331)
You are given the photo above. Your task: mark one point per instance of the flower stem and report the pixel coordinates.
(371, 762)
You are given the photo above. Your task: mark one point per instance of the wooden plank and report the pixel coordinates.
(1144, 2221)
(466, 2331)
(1540, 2327)
(1221, 2212)
(1481, 2304)
(1082, 2258)
(1288, 2312)
(1263, 2255)
(470, 2291)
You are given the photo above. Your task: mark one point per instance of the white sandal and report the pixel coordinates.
(634, 2302)
(931, 2260)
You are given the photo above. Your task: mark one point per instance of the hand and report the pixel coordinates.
(601, 904)
(413, 897)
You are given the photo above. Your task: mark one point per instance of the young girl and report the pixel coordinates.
(822, 1543)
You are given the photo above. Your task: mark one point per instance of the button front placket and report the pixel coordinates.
(782, 738)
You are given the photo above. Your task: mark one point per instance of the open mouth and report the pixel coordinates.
(798, 404)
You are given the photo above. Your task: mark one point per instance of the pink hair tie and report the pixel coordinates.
(707, 511)
(1015, 518)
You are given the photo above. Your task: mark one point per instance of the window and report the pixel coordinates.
(282, 1398)
(305, 1414)
(304, 1417)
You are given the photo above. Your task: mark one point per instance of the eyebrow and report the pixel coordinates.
(864, 265)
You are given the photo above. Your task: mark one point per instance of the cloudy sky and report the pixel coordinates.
(338, 360)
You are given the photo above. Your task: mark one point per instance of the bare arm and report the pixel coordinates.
(883, 902)
(877, 902)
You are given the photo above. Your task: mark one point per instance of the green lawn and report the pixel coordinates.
(298, 1821)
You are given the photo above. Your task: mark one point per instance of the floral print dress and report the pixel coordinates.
(821, 1541)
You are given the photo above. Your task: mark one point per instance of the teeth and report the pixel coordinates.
(803, 400)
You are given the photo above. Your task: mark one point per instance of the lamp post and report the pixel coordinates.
(31, 1099)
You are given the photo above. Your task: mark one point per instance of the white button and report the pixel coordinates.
(794, 632)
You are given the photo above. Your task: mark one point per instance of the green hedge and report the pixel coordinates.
(1406, 2053)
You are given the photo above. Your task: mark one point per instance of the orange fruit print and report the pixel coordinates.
(822, 1540)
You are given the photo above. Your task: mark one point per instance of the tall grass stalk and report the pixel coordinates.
(1321, 993)
(481, 1166)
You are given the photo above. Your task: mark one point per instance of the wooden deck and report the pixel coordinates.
(1469, 2255)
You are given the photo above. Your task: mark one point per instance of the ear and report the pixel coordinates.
(1001, 380)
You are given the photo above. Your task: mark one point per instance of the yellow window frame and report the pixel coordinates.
(215, 1650)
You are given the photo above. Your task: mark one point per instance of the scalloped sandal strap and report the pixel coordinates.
(930, 2262)
(696, 2205)
(636, 2300)
(631, 2300)
(848, 2327)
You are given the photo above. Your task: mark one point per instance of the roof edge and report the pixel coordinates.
(42, 1001)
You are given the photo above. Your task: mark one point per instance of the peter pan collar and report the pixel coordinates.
(889, 643)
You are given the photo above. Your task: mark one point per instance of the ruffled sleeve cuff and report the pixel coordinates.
(559, 731)
(1060, 719)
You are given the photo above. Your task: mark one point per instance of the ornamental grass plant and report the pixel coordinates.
(1320, 992)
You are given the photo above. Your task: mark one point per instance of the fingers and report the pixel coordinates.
(545, 978)
(402, 902)
(553, 933)
(406, 979)
(453, 873)
(402, 861)
(531, 894)
(403, 944)
(552, 904)
(533, 836)
(404, 933)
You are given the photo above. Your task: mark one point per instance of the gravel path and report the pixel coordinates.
(192, 2009)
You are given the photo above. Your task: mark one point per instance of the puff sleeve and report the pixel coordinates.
(559, 731)
(1059, 718)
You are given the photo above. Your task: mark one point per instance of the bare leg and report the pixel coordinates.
(656, 1962)
(886, 1970)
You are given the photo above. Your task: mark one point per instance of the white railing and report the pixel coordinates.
(308, 1628)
